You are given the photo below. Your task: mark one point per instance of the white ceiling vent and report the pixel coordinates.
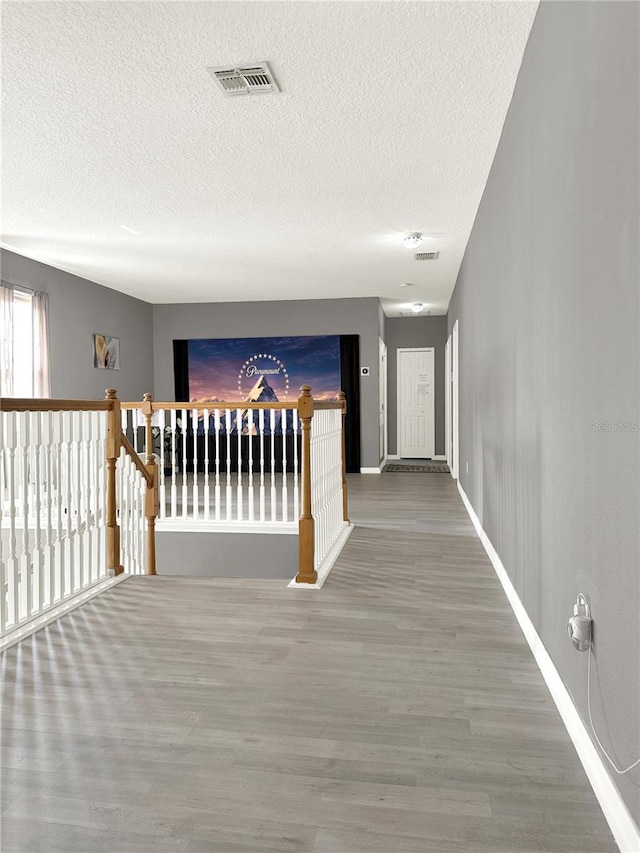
(245, 80)
(426, 256)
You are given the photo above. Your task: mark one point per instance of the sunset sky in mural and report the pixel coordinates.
(228, 368)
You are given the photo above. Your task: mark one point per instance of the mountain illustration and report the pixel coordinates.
(262, 392)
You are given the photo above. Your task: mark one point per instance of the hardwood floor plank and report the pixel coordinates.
(397, 710)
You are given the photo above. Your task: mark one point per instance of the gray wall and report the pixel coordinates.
(548, 305)
(415, 332)
(77, 309)
(263, 319)
(227, 555)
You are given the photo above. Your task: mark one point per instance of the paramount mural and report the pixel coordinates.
(263, 370)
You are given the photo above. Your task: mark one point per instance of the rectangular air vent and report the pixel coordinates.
(426, 256)
(251, 79)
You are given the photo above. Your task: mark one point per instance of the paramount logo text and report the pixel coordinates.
(252, 370)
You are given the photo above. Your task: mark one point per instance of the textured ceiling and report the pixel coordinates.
(388, 121)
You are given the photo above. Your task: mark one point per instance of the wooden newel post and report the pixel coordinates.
(345, 495)
(306, 532)
(113, 452)
(151, 500)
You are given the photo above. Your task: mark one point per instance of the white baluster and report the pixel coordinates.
(261, 431)
(49, 533)
(205, 430)
(125, 420)
(272, 424)
(38, 554)
(12, 568)
(86, 520)
(239, 490)
(173, 448)
(59, 501)
(296, 476)
(99, 453)
(185, 486)
(196, 496)
(24, 563)
(135, 420)
(76, 420)
(162, 486)
(250, 432)
(216, 426)
(84, 515)
(229, 494)
(285, 498)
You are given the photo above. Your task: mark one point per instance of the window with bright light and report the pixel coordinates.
(24, 350)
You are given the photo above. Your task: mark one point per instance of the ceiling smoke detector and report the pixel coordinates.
(412, 240)
(426, 256)
(254, 79)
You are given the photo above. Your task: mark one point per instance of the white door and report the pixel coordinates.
(416, 410)
(382, 399)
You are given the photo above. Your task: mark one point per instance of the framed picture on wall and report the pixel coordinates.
(106, 352)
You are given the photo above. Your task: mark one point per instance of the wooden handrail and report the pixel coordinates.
(213, 404)
(136, 459)
(306, 525)
(327, 405)
(46, 404)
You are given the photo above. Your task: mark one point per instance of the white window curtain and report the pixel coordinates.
(24, 342)
(6, 340)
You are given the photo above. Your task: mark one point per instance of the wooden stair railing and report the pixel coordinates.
(61, 510)
(116, 440)
(305, 407)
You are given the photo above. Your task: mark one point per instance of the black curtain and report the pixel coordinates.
(181, 371)
(350, 382)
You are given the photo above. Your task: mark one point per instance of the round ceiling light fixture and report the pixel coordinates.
(417, 307)
(412, 240)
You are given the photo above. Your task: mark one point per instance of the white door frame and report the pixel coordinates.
(398, 396)
(455, 394)
(382, 399)
(447, 402)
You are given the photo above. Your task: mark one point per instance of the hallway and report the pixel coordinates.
(397, 710)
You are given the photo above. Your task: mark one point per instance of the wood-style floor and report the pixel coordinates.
(397, 710)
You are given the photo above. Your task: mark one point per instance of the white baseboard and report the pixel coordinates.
(390, 457)
(370, 470)
(439, 458)
(622, 825)
(329, 561)
(177, 525)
